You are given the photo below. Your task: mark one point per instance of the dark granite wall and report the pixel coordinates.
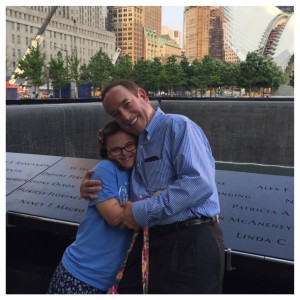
(252, 132)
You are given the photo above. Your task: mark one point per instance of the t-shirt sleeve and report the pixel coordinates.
(106, 171)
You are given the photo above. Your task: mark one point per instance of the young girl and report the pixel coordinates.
(90, 264)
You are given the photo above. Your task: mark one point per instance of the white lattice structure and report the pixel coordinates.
(265, 29)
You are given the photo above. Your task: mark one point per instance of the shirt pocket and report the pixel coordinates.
(154, 173)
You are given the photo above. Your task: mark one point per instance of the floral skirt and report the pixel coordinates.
(63, 282)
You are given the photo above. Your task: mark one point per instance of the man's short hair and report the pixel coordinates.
(128, 84)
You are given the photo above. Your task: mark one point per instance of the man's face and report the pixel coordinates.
(132, 113)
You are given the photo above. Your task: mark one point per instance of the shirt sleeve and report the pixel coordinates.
(193, 185)
(106, 172)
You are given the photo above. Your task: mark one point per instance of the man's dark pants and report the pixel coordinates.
(182, 261)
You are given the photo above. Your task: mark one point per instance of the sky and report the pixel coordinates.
(172, 16)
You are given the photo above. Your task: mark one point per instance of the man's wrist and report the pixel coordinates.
(138, 212)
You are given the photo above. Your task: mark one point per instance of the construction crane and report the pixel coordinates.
(35, 41)
(116, 56)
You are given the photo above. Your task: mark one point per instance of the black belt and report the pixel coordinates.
(178, 226)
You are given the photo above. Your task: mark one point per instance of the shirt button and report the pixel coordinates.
(140, 196)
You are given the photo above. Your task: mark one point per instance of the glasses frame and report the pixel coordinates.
(120, 149)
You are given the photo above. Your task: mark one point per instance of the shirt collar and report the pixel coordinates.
(154, 123)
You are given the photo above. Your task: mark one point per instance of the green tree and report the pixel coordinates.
(58, 72)
(230, 73)
(188, 71)
(155, 69)
(260, 72)
(198, 77)
(31, 67)
(124, 68)
(274, 75)
(84, 74)
(253, 71)
(142, 73)
(211, 72)
(173, 75)
(74, 70)
(291, 79)
(100, 70)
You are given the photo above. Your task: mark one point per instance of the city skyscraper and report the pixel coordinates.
(152, 18)
(132, 26)
(127, 24)
(196, 31)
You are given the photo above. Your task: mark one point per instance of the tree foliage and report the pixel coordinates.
(260, 72)
(58, 72)
(100, 70)
(176, 76)
(124, 68)
(73, 63)
(31, 67)
(291, 79)
(155, 68)
(173, 77)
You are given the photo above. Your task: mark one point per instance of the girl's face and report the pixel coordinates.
(121, 148)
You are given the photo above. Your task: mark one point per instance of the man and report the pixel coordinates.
(186, 242)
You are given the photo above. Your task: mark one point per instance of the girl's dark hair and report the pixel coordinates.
(108, 130)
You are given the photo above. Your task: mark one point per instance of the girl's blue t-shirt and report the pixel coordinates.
(99, 250)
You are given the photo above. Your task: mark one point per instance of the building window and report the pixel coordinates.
(13, 38)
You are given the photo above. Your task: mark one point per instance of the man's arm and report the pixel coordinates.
(127, 218)
(89, 188)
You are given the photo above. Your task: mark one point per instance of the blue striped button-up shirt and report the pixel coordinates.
(174, 156)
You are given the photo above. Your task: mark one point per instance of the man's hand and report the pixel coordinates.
(89, 187)
(127, 218)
